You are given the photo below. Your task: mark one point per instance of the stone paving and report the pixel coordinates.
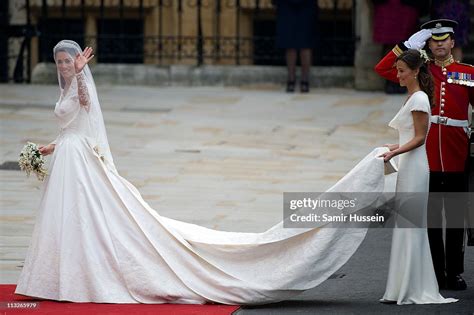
(214, 156)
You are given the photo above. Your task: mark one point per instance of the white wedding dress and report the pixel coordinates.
(411, 276)
(96, 239)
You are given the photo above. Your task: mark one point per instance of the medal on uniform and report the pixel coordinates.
(460, 78)
(450, 77)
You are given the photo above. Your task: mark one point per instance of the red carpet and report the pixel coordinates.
(51, 307)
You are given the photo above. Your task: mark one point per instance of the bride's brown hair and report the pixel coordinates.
(414, 61)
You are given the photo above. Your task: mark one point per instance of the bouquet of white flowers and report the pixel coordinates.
(31, 160)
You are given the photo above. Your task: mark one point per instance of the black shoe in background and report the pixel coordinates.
(290, 86)
(304, 86)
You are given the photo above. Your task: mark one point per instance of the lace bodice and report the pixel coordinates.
(72, 109)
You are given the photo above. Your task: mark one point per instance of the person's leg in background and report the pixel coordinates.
(291, 67)
(305, 57)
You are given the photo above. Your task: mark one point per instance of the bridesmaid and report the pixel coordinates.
(411, 276)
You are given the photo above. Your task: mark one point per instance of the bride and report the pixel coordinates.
(96, 239)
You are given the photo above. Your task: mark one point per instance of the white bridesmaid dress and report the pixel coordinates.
(411, 276)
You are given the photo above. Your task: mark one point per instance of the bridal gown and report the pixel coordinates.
(96, 240)
(411, 276)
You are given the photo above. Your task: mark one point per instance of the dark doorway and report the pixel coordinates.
(73, 29)
(120, 41)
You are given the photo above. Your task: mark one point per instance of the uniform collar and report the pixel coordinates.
(444, 63)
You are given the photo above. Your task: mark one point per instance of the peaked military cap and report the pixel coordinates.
(441, 28)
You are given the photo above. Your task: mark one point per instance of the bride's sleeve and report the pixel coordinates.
(82, 91)
(55, 140)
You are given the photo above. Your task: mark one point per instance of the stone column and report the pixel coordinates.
(367, 52)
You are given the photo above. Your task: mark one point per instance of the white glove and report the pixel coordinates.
(417, 41)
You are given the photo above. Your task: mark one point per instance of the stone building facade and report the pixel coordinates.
(190, 33)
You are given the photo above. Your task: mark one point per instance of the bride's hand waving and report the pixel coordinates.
(83, 59)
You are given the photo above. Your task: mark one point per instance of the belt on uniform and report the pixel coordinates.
(435, 119)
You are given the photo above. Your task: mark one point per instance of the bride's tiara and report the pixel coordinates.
(67, 44)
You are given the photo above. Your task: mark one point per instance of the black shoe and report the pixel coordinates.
(304, 87)
(290, 86)
(456, 283)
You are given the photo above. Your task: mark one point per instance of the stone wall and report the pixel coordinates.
(227, 75)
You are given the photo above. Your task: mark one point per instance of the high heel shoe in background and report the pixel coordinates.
(290, 86)
(304, 86)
